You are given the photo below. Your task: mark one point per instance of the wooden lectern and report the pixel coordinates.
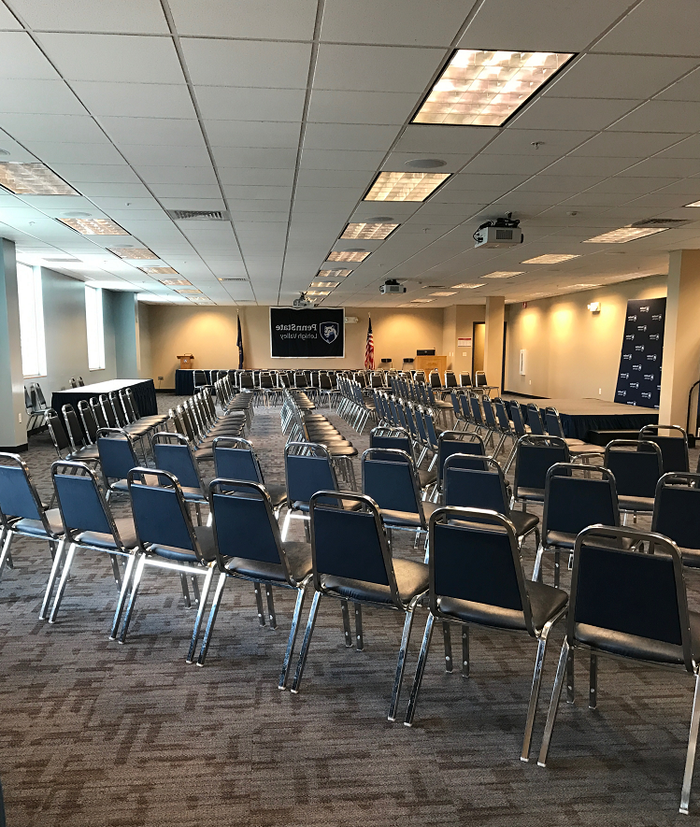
(186, 361)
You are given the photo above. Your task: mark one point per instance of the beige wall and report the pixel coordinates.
(570, 352)
(210, 334)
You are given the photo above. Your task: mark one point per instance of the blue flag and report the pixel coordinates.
(239, 342)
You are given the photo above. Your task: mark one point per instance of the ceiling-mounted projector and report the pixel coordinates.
(302, 301)
(503, 232)
(392, 286)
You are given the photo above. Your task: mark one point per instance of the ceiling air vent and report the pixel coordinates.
(662, 222)
(198, 215)
(231, 278)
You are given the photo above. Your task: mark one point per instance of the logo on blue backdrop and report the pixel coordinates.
(329, 331)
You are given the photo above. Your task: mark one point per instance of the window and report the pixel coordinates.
(31, 320)
(95, 328)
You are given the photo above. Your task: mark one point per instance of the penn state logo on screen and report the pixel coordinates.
(329, 331)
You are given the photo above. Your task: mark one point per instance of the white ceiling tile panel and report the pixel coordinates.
(160, 132)
(253, 134)
(112, 190)
(39, 96)
(558, 183)
(148, 100)
(430, 138)
(258, 63)
(687, 89)
(349, 136)
(374, 68)
(686, 148)
(122, 58)
(503, 164)
(334, 178)
(70, 153)
(662, 116)
(334, 159)
(238, 193)
(360, 107)
(397, 161)
(191, 203)
(664, 167)
(657, 28)
(564, 25)
(158, 155)
(574, 113)
(575, 165)
(230, 103)
(129, 16)
(259, 177)
(627, 144)
(185, 190)
(550, 142)
(61, 128)
(80, 173)
(20, 58)
(265, 158)
(274, 19)
(176, 175)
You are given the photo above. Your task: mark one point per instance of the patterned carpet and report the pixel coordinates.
(95, 734)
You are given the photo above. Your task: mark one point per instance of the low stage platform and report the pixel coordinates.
(579, 416)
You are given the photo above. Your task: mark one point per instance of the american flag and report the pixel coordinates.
(369, 347)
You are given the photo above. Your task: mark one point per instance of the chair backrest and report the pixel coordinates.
(489, 415)
(98, 413)
(350, 544)
(553, 422)
(81, 382)
(35, 389)
(172, 453)
(450, 379)
(573, 502)
(502, 414)
(108, 411)
(474, 557)
(465, 380)
(637, 466)
(234, 459)
(534, 456)
(58, 434)
(534, 420)
(673, 445)
(18, 496)
(244, 523)
(459, 442)
(160, 513)
(117, 407)
(516, 414)
(116, 453)
(475, 487)
(73, 429)
(87, 417)
(390, 438)
(475, 406)
(73, 382)
(618, 595)
(389, 478)
(677, 509)
(81, 502)
(435, 381)
(480, 379)
(308, 469)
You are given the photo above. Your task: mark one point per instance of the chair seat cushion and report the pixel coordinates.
(277, 492)
(348, 505)
(34, 528)
(411, 579)
(127, 534)
(205, 537)
(636, 503)
(531, 494)
(634, 646)
(545, 603)
(523, 521)
(426, 478)
(690, 557)
(298, 560)
(407, 518)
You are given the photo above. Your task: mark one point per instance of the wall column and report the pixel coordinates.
(126, 334)
(493, 340)
(13, 425)
(681, 360)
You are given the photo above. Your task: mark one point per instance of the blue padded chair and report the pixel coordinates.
(88, 524)
(117, 458)
(235, 459)
(677, 514)
(173, 453)
(629, 603)
(476, 578)
(23, 514)
(673, 442)
(637, 466)
(167, 540)
(534, 456)
(459, 442)
(248, 546)
(352, 561)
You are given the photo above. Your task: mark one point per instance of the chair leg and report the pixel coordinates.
(692, 747)
(126, 582)
(285, 526)
(447, 638)
(593, 682)
(62, 583)
(422, 658)
(305, 644)
(401, 662)
(5, 555)
(465, 651)
(116, 570)
(359, 641)
(270, 606)
(346, 622)
(55, 568)
(570, 678)
(195, 588)
(132, 599)
(200, 613)
(216, 602)
(553, 704)
(185, 590)
(534, 693)
(537, 570)
(259, 604)
(291, 641)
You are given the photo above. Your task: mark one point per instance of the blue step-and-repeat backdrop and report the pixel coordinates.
(639, 379)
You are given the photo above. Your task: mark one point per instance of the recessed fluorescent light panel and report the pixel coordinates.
(317, 292)
(550, 258)
(405, 186)
(467, 286)
(188, 291)
(694, 204)
(135, 253)
(421, 301)
(158, 271)
(334, 274)
(331, 285)
(174, 282)
(484, 88)
(365, 230)
(94, 226)
(503, 274)
(32, 179)
(584, 286)
(347, 255)
(624, 234)
(444, 293)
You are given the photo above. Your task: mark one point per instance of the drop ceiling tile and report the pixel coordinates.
(335, 159)
(375, 69)
(253, 134)
(574, 165)
(185, 190)
(360, 107)
(430, 140)
(334, 178)
(661, 116)
(485, 164)
(340, 195)
(559, 183)
(222, 103)
(243, 175)
(240, 213)
(627, 144)
(685, 148)
(397, 161)
(123, 58)
(349, 136)
(258, 63)
(153, 156)
(176, 175)
(618, 76)
(664, 167)
(20, 58)
(552, 142)
(658, 200)
(270, 158)
(110, 189)
(154, 100)
(576, 113)
(260, 205)
(160, 132)
(658, 28)
(7, 19)
(377, 21)
(53, 153)
(62, 128)
(565, 26)
(257, 193)
(209, 204)
(38, 96)
(687, 89)
(90, 173)
(128, 16)
(272, 19)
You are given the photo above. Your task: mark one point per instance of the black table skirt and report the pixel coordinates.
(184, 380)
(143, 389)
